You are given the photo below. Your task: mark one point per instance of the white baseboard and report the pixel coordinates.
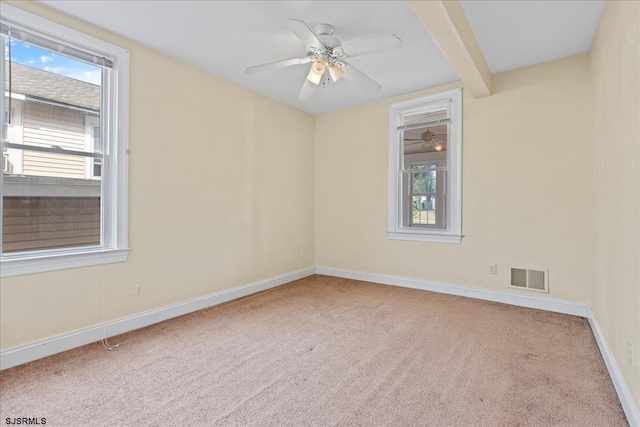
(547, 304)
(624, 394)
(37, 350)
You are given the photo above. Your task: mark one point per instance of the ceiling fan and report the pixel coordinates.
(428, 140)
(326, 52)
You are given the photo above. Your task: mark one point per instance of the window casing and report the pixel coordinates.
(425, 168)
(104, 158)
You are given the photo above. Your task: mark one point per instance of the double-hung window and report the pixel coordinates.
(64, 144)
(425, 175)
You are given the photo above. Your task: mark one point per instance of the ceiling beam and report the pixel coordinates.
(447, 23)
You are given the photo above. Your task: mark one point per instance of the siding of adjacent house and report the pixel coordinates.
(46, 125)
(37, 223)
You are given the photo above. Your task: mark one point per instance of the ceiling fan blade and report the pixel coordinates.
(367, 47)
(278, 64)
(304, 33)
(360, 79)
(307, 91)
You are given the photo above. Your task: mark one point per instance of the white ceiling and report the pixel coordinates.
(514, 34)
(223, 37)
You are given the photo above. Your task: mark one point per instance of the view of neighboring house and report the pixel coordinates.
(55, 198)
(51, 110)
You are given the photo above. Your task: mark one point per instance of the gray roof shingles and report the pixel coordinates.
(45, 85)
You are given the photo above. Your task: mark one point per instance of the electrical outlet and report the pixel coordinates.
(493, 269)
(630, 352)
(136, 288)
(302, 253)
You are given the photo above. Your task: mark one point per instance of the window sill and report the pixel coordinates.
(425, 237)
(18, 266)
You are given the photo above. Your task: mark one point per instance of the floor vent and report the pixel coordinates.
(534, 280)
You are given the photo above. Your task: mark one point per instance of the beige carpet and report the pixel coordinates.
(322, 352)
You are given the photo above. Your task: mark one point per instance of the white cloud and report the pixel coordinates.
(45, 58)
(93, 77)
(54, 69)
(31, 61)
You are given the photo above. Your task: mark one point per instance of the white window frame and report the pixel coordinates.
(452, 233)
(115, 139)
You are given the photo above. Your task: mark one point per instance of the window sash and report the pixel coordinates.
(407, 194)
(437, 169)
(54, 150)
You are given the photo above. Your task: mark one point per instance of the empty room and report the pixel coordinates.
(320, 213)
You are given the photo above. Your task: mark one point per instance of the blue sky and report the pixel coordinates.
(46, 60)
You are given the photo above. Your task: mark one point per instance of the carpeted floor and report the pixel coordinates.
(325, 351)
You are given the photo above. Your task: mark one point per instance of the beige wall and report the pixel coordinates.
(221, 194)
(615, 290)
(526, 195)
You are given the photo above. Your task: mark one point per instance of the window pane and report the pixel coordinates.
(423, 210)
(51, 199)
(425, 140)
(55, 100)
(46, 212)
(423, 193)
(97, 168)
(424, 182)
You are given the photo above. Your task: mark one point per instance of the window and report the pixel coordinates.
(425, 175)
(65, 146)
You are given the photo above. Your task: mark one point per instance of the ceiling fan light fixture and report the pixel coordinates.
(313, 77)
(317, 70)
(318, 66)
(336, 72)
(427, 135)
